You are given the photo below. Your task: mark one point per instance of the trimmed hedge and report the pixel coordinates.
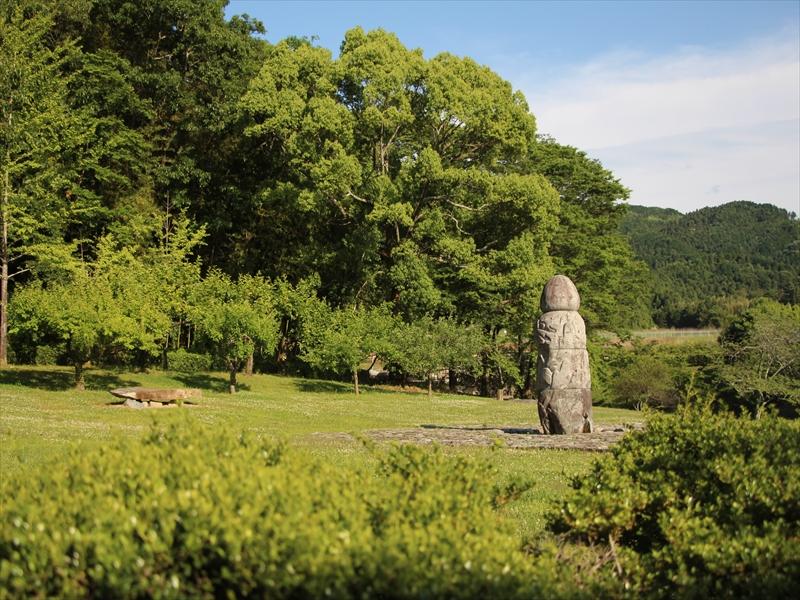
(189, 512)
(697, 505)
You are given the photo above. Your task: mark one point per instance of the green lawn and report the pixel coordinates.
(40, 415)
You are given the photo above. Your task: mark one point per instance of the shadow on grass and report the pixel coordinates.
(314, 386)
(59, 381)
(509, 430)
(320, 386)
(211, 383)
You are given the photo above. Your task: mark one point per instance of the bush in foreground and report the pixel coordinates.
(187, 512)
(697, 505)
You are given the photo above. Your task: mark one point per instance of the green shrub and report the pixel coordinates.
(697, 505)
(189, 362)
(646, 382)
(48, 355)
(189, 512)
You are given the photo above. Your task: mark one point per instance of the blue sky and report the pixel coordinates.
(690, 104)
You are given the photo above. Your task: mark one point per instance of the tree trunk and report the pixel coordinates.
(79, 383)
(4, 271)
(452, 380)
(500, 393)
(355, 380)
(527, 390)
(4, 303)
(430, 385)
(248, 368)
(485, 376)
(164, 358)
(232, 383)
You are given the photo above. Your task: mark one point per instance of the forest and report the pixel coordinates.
(708, 264)
(177, 192)
(161, 161)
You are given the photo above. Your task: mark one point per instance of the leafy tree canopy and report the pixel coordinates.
(235, 316)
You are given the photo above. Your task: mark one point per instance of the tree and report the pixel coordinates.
(187, 66)
(235, 316)
(587, 247)
(761, 348)
(341, 339)
(295, 304)
(40, 138)
(177, 273)
(398, 179)
(70, 157)
(646, 381)
(426, 346)
(101, 306)
(402, 180)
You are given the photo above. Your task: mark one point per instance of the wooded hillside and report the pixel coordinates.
(705, 260)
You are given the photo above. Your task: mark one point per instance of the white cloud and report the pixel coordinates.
(757, 163)
(694, 128)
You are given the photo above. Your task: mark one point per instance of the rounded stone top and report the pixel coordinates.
(560, 294)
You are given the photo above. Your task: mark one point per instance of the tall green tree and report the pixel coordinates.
(615, 287)
(186, 66)
(40, 141)
(400, 179)
(71, 154)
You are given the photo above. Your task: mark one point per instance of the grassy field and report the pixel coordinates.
(678, 336)
(41, 415)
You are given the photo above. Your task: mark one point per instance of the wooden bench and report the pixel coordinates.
(144, 397)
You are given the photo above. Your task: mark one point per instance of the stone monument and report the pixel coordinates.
(563, 381)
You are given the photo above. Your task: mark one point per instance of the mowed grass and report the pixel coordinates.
(41, 416)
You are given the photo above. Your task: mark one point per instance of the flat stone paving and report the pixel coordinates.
(480, 435)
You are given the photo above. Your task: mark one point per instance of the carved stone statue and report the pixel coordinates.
(563, 381)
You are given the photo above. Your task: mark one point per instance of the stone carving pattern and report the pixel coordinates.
(563, 374)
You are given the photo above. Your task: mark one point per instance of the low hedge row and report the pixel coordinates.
(697, 505)
(184, 361)
(190, 512)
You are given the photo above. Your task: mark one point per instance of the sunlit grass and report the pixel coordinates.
(41, 415)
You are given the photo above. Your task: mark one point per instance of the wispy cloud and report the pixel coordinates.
(686, 130)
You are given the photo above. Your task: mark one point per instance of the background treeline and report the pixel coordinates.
(709, 263)
(753, 366)
(144, 141)
(177, 191)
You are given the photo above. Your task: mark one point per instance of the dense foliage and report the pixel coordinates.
(588, 248)
(704, 261)
(191, 512)
(644, 374)
(761, 367)
(99, 310)
(375, 178)
(697, 505)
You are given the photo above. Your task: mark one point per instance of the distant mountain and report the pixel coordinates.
(702, 259)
